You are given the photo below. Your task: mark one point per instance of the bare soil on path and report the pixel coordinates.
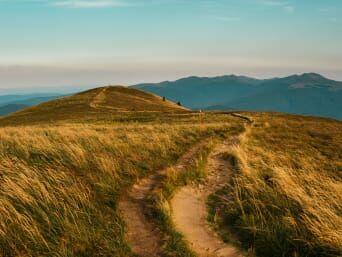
(144, 237)
(189, 210)
(98, 99)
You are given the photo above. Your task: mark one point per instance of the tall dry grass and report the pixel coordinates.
(59, 185)
(286, 196)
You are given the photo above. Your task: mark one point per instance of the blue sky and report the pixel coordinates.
(49, 43)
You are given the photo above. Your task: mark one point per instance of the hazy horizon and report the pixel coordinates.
(48, 44)
(73, 88)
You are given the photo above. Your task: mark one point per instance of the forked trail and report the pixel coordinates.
(190, 211)
(143, 237)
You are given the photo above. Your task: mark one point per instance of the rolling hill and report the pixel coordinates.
(307, 94)
(98, 103)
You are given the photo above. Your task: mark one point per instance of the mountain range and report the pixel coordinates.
(307, 94)
(13, 103)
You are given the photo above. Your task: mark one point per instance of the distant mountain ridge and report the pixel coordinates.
(13, 103)
(307, 94)
(8, 98)
(10, 108)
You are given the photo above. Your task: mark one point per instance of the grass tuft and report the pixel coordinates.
(285, 197)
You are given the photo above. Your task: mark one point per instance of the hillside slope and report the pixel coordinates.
(98, 103)
(309, 94)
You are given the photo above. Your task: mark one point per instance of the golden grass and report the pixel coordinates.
(59, 185)
(104, 103)
(286, 199)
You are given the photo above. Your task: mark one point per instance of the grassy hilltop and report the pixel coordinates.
(65, 163)
(103, 103)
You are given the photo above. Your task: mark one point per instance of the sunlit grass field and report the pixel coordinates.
(64, 165)
(285, 198)
(59, 185)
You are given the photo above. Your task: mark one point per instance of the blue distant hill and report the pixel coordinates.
(307, 94)
(13, 103)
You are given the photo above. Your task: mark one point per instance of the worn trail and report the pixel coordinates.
(190, 211)
(98, 99)
(144, 237)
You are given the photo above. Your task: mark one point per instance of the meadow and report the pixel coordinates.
(285, 197)
(65, 164)
(60, 184)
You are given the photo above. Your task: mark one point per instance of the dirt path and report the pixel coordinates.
(143, 237)
(98, 99)
(190, 211)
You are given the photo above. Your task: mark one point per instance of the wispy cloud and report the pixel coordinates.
(289, 8)
(333, 19)
(330, 13)
(327, 9)
(90, 3)
(286, 6)
(77, 3)
(227, 18)
(273, 2)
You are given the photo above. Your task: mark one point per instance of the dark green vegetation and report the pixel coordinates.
(308, 94)
(285, 196)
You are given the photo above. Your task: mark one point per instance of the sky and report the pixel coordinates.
(69, 43)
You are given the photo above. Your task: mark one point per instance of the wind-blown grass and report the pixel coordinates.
(59, 185)
(195, 171)
(285, 198)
